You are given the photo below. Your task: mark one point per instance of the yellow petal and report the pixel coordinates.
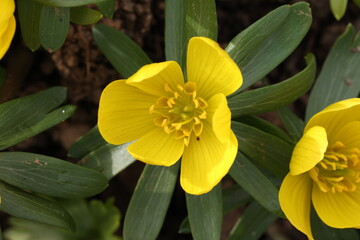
(309, 151)
(124, 113)
(294, 197)
(339, 209)
(211, 68)
(7, 9)
(349, 135)
(152, 77)
(336, 115)
(7, 36)
(220, 116)
(206, 161)
(157, 148)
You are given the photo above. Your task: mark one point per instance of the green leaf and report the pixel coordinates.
(266, 43)
(175, 28)
(201, 19)
(264, 126)
(271, 97)
(67, 3)
(27, 206)
(149, 203)
(340, 75)
(107, 8)
(323, 232)
(50, 120)
(84, 15)
(269, 151)
(54, 26)
(252, 224)
(97, 154)
(293, 124)
(357, 2)
(21, 114)
(3, 76)
(49, 176)
(87, 143)
(233, 197)
(205, 212)
(253, 181)
(94, 221)
(108, 159)
(120, 50)
(338, 8)
(29, 18)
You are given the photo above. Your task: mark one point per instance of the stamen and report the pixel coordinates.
(338, 171)
(180, 111)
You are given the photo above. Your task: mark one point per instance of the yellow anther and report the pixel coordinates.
(180, 111)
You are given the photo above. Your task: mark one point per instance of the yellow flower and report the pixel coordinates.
(171, 118)
(325, 170)
(8, 25)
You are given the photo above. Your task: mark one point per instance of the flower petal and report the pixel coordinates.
(124, 113)
(7, 36)
(157, 148)
(206, 161)
(7, 9)
(339, 209)
(336, 115)
(349, 135)
(152, 77)
(294, 197)
(220, 116)
(211, 68)
(309, 151)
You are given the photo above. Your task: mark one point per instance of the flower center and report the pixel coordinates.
(180, 111)
(339, 170)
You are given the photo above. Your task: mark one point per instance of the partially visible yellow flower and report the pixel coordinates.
(325, 170)
(171, 118)
(7, 25)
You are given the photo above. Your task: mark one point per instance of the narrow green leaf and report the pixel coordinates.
(266, 43)
(175, 28)
(108, 159)
(357, 2)
(149, 203)
(205, 214)
(84, 15)
(269, 151)
(321, 231)
(22, 113)
(253, 181)
(3, 75)
(264, 126)
(293, 124)
(87, 143)
(67, 3)
(233, 197)
(97, 154)
(201, 19)
(120, 50)
(107, 8)
(54, 26)
(340, 75)
(27, 206)
(50, 120)
(29, 18)
(252, 224)
(49, 176)
(338, 8)
(271, 97)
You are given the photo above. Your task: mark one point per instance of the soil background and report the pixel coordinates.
(83, 69)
